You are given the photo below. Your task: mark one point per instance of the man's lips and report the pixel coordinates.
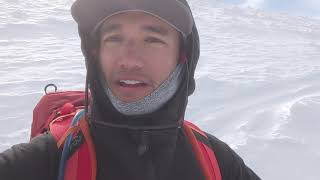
(131, 83)
(131, 80)
(131, 87)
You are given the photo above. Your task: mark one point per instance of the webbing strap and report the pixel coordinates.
(204, 154)
(214, 163)
(198, 153)
(86, 156)
(66, 134)
(86, 132)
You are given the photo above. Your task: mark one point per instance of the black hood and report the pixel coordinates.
(170, 113)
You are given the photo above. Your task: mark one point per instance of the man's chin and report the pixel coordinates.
(131, 94)
(130, 98)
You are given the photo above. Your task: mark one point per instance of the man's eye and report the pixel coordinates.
(154, 40)
(113, 39)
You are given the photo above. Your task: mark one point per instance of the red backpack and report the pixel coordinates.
(61, 113)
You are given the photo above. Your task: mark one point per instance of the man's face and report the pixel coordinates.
(137, 53)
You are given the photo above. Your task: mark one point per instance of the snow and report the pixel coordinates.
(257, 79)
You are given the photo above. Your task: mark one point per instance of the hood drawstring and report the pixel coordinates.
(87, 93)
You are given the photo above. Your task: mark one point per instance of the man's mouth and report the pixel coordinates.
(131, 83)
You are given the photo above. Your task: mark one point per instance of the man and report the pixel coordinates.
(141, 57)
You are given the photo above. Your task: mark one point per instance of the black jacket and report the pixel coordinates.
(118, 158)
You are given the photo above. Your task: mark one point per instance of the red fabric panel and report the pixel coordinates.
(72, 169)
(44, 111)
(84, 167)
(59, 127)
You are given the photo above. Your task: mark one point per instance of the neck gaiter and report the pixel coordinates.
(150, 103)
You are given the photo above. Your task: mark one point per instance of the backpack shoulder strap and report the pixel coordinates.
(204, 154)
(78, 158)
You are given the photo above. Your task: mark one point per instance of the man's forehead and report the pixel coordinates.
(140, 20)
(109, 27)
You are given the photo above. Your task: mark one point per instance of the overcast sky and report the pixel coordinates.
(309, 8)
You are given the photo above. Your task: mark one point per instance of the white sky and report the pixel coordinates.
(309, 8)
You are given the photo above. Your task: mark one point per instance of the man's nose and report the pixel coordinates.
(132, 58)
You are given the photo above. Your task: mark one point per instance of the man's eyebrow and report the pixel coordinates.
(109, 28)
(156, 29)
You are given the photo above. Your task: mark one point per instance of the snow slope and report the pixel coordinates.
(257, 79)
